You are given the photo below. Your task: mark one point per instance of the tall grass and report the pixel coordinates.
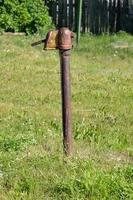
(32, 165)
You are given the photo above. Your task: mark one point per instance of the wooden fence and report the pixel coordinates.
(98, 16)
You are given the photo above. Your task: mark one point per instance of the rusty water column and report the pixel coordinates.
(62, 39)
(65, 46)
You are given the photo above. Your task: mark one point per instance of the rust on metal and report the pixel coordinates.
(62, 39)
(65, 38)
(37, 43)
(66, 101)
(65, 46)
(51, 40)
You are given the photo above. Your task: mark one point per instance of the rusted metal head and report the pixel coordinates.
(65, 39)
(59, 39)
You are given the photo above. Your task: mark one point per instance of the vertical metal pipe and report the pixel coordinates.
(62, 39)
(79, 16)
(66, 100)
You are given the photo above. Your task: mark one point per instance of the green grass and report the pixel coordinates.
(32, 165)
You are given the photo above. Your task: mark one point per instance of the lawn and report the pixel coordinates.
(32, 164)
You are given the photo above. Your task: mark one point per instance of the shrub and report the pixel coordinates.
(24, 16)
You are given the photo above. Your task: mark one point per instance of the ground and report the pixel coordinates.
(32, 164)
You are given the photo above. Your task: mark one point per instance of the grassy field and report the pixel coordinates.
(32, 165)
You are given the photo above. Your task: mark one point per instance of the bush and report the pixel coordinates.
(24, 16)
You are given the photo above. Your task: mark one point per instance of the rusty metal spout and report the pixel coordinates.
(37, 43)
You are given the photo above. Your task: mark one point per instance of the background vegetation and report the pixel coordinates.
(24, 16)
(32, 165)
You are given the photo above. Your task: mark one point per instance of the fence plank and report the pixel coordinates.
(71, 14)
(125, 20)
(119, 17)
(88, 16)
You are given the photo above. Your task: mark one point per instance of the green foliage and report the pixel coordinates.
(95, 184)
(50, 178)
(24, 16)
(16, 144)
